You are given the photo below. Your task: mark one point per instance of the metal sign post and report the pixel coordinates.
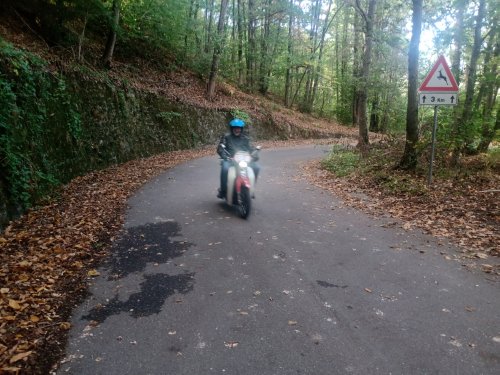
(438, 88)
(434, 128)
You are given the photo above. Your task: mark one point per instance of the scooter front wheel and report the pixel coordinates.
(244, 202)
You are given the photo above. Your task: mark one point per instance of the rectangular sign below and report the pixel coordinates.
(438, 98)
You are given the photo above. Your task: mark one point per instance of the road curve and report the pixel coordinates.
(304, 286)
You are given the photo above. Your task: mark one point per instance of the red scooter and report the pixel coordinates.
(241, 180)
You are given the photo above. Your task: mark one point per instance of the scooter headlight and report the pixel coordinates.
(243, 164)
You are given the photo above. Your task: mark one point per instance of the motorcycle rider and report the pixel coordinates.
(234, 141)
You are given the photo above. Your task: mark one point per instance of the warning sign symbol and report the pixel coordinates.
(440, 78)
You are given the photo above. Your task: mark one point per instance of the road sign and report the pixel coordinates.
(438, 88)
(439, 79)
(438, 98)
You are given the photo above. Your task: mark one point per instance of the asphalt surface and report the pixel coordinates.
(306, 285)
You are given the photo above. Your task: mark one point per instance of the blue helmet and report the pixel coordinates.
(236, 123)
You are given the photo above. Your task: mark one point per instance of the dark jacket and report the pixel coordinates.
(233, 144)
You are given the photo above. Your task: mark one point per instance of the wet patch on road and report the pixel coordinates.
(154, 292)
(325, 284)
(138, 247)
(150, 243)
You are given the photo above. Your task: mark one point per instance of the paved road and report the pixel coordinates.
(305, 286)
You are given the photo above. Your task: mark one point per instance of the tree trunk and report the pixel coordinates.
(107, 56)
(209, 21)
(466, 117)
(189, 21)
(252, 47)
(374, 115)
(409, 159)
(326, 26)
(455, 69)
(288, 79)
(491, 88)
(362, 95)
(217, 51)
(264, 49)
(356, 71)
(345, 79)
(313, 38)
(241, 35)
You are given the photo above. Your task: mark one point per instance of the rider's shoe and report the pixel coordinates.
(220, 194)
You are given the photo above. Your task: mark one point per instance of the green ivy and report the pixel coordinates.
(36, 116)
(168, 116)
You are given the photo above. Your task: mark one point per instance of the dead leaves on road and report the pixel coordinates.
(47, 256)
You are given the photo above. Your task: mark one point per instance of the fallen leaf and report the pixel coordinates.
(19, 356)
(292, 322)
(14, 304)
(488, 268)
(65, 325)
(93, 273)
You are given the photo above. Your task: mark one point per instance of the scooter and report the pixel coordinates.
(241, 180)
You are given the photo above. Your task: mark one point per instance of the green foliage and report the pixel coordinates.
(237, 113)
(153, 27)
(168, 116)
(341, 162)
(31, 100)
(493, 157)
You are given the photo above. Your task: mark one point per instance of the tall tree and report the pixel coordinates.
(264, 48)
(490, 88)
(251, 54)
(356, 70)
(313, 38)
(362, 92)
(209, 21)
(107, 55)
(288, 77)
(409, 159)
(456, 60)
(217, 51)
(241, 35)
(321, 45)
(466, 116)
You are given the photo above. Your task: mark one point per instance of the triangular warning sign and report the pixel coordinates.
(440, 78)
